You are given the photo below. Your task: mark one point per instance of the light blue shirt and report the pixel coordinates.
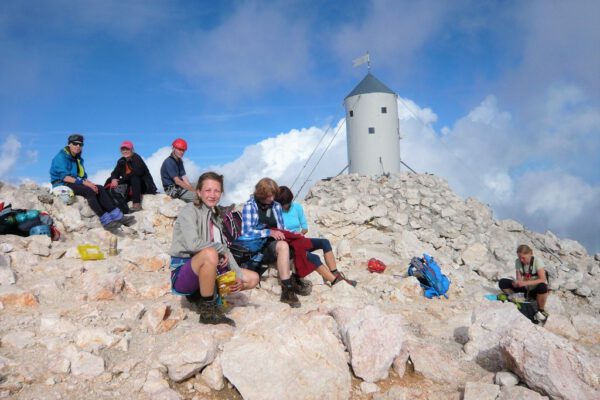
(294, 219)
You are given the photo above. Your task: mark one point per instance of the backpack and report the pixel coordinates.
(23, 222)
(119, 197)
(429, 274)
(232, 224)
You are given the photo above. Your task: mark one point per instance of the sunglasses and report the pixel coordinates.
(77, 144)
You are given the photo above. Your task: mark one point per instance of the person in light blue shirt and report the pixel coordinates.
(295, 221)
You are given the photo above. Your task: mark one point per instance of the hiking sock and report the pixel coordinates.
(205, 299)
(334, 271)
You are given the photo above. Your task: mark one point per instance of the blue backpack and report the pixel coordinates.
(429, 274)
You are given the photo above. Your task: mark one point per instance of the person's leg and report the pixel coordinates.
(541, 295)
(105, 200)
(506, 285)
(325, 245)
(89, 195)
(135, 183)
(204, 265)
(188, 196)
(288, 296)
(250, 279)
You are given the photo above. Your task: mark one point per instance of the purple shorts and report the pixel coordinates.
(184, 279)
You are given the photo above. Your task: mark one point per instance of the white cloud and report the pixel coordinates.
(254, 50)
(392, 31)
(9, 155)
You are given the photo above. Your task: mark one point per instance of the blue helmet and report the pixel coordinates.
(40, 230)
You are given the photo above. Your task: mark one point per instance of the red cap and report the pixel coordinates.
(127, 144)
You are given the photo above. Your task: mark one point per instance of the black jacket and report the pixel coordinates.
(138, 167)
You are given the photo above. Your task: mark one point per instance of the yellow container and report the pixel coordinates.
(90, 252)
(225, 281)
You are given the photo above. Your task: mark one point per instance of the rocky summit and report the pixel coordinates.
(111, 328)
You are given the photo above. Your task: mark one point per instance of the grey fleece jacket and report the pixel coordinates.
(192, 233)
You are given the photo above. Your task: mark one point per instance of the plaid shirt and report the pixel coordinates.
(250, 224)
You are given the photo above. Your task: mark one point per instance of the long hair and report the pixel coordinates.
(210, 175)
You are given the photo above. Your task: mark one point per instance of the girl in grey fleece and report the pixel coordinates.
(198, 249)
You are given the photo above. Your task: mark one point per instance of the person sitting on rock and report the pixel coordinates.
(132, 171)
(198, 248)
(67, 169)
(172, 174)
(531, 279)
(295, 221)
(262, 218)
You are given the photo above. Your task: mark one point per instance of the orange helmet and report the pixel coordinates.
(179, 143)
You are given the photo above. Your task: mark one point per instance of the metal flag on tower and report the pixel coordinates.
(361, 60)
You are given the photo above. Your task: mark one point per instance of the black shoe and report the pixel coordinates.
(289, 297)
(211, 313)
(112, 225)
(301, 286)
(127, 220)
(339, 277)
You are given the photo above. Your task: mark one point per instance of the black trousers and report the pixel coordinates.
(99, 202)
(138, 187)
(540, 288)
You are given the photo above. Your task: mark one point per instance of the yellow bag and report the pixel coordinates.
(225, 281)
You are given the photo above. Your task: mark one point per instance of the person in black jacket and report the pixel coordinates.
(132, 170)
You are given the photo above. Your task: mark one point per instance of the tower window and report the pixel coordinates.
(384, 110)
(351, 113)
(371, 130)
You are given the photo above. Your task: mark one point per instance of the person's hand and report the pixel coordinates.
(237, 286)
(518, 284)
(277, 235)
(223, 260)
(114, 183)
(91, 185)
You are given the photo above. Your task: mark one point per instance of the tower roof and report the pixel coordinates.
(370, 84)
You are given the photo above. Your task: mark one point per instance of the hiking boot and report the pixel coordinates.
(127, 220)
(541, 316)
(135, 207)
(289, 297)
(301, 286)
(112, 226)
(211, 313)
(339, 277)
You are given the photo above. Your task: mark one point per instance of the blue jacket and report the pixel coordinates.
(64, 164)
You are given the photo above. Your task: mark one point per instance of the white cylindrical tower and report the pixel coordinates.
(372, 128)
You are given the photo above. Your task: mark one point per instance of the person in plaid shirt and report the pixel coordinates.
(261, 213)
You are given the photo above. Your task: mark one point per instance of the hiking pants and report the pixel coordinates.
(137, 185)
(318, 244)
(99, 203)
(533, 291)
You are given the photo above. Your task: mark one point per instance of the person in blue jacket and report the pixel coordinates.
(67, 169)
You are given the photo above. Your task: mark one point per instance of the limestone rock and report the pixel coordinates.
(19, 339)
(102, 286)
(7, 276)
(16, 297)
(373, 339)
(475, 255)
(84, 364)
(550, 364)
(94, 339)
(519, 392)
(434, 363)
(562, 326)
(481, 391)
(588, 328)
(189, 354)
(213, 375)
(296, 356)
(504, 378)
(157, 319)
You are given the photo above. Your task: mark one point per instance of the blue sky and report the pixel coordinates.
(504, 96)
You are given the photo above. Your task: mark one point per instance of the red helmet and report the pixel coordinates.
(375, 265)
(179, 143)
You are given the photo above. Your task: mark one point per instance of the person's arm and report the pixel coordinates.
(541, 273)
(250, 223)
(302, 219)
(183, 182)
(189, 238)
